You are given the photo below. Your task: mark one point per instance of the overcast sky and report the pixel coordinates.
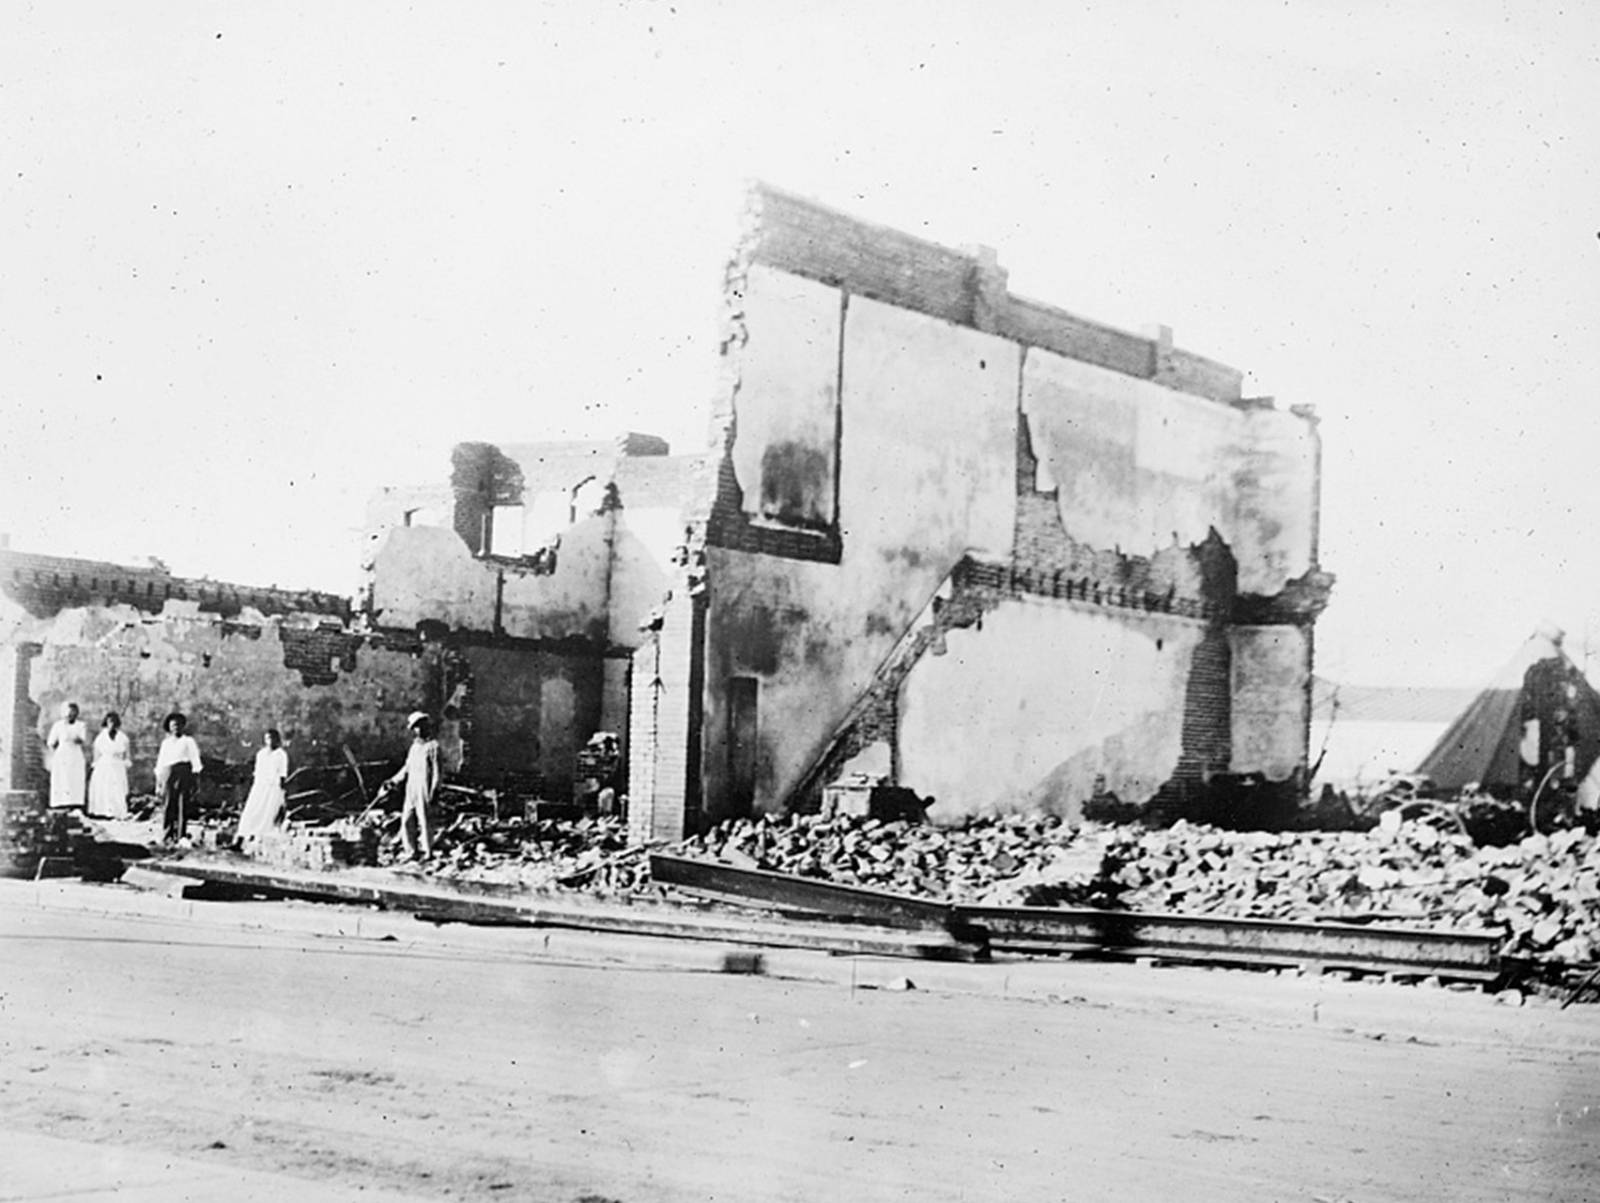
(259, 259)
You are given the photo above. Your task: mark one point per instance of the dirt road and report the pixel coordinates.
(446, 1072)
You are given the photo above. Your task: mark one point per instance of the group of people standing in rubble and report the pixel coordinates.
(98, 782)
(103, 793)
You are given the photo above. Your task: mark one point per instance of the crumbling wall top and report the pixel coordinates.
(966, 287)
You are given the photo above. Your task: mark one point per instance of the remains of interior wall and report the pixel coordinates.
(597, 579)
(642, 568)
(927, 429)
(1271, 670)
(1039, 704)
(427, 574)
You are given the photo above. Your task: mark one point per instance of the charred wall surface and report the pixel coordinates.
(1130, 542)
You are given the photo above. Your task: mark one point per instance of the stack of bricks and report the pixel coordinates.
(320, 848)
(29, 832)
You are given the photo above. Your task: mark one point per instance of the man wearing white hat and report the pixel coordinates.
(421, 775)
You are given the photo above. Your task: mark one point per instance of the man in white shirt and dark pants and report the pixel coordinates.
(177, 766)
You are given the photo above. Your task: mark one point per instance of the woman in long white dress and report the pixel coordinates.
(263, 809)
(108, 784)
(66, 741)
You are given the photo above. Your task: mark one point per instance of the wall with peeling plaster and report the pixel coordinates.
(1116, 501)
(1141, 467)
(926, 438)
(1046, 699)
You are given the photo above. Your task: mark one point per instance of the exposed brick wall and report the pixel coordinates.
(1192, 582)
(321, 653)
(663, 762)
(27, 751)
(644, 728)
(1207, 715)
(730, 527)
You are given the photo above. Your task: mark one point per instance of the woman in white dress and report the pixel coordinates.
(263, 809)
(67, 738)
(108, 785)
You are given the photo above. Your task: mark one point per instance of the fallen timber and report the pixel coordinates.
(483, 904)
(1094, 932)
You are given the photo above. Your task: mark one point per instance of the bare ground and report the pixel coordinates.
(457, 1071)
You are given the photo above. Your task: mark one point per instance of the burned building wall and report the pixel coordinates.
(324, 687)
(1044, 705)
(1083, 465)
(924, 423)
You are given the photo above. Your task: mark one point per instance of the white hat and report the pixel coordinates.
(415, 717)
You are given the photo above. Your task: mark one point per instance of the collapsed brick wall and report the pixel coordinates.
(326, 690)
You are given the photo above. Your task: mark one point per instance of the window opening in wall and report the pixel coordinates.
(550, 514)
(505, 530)
(742, 741)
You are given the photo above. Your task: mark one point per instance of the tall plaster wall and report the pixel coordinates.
(1040, 702)
(926, 445)
(1139, 472)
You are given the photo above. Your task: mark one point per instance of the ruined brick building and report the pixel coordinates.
(236, 658)
(943, 536)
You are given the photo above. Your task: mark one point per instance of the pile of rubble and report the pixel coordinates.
(530, 853)
(1543, 893)
(29, 833)
(1015, 860)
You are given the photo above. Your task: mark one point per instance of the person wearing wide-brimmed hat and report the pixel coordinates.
(421, 776)
(177, 766)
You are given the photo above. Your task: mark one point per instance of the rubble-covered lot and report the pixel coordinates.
(1542, 894)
